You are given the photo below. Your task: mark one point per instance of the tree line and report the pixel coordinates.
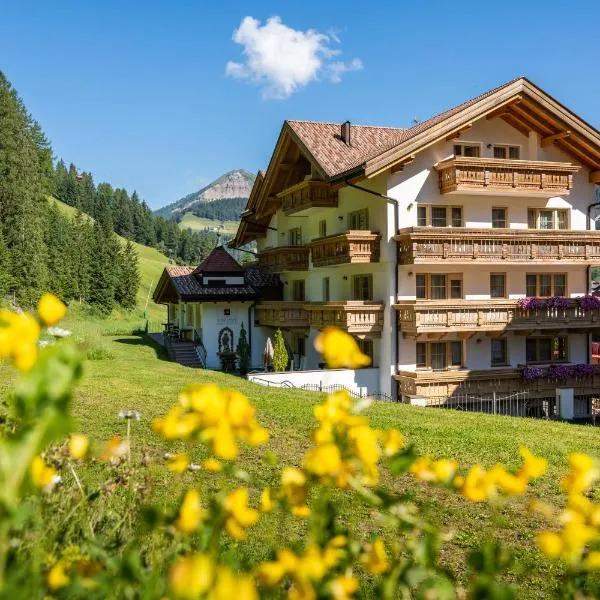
(41, 249)
(130, 216)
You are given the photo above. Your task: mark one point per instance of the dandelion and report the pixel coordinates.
(191, 513)
(79, 444)
(57, 577)
(51, 310)
(239, 515)
(130, 414)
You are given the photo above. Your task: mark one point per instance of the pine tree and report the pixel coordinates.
(128, 276)
(81, 251)
(61, 175)
(243, 351)
(6, 280)
(280, 355)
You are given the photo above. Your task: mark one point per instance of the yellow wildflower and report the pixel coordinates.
(533, 466)
(115, 449)
(335, 408)
(178, 463)
(592, 561)
(51, 310)
(19, 333)
(212, 465)
(509, 484)
(57, 577)
(191, 513)
(575, 536)
(301, 512)
(293, 483)
(223, 441)
(239, 515)
(323, 460)
(550, 543)
(79, 444)
(176, 424)
(583, 473)
(228, 586)
(43, 476)
(375, 559)
(206, 399)
(340, 349)
(191, 576)
(393, 442)
(343, 587)
(478, 486)
(266, 500)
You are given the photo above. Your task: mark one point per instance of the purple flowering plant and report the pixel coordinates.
(532, 303)
(588, 302)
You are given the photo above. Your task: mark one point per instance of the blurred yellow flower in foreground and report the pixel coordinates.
(375, 559)
(19, 333)
(191, 513)
(51, 310)
(178, 463)
(340, 350)
(191, 576)
(343, 587)
(266, 500)
(239, 515)
(79, 445)
(57, 577)
(293, 486)
(582, 474)
(43, 476)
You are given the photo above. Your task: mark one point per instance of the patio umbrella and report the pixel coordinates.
(268, 354)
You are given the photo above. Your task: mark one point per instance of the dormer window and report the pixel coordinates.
(468, 150)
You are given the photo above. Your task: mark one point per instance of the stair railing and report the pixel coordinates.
(200, 349)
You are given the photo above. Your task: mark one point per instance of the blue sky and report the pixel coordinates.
(138, 92)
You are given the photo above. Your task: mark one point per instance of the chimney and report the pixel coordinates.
(345, 133)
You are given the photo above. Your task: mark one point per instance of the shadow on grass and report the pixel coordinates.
(139, 338)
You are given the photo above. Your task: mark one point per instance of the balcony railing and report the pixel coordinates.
(282, 314)
(416, 317)
(445, 384)
(498, 176)
(431, 245)
(353, 316)
(307, 194)
(350, 247)
(284, 258)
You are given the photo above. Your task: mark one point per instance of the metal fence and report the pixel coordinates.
(515, 405)
(326, 389)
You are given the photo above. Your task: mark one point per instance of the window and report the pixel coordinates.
(497, 285)
(547, 218)
(545, 284)
(366, 347)
(362, 287)
(439, 216)
(325, 289)
(499, 355)
(322, 228)
(295, 236)
(499, 220)
(470, 150)
(512, 152)
(359, 219)
(298, 290)
(439, 355)
(433, 286)
(546, 349)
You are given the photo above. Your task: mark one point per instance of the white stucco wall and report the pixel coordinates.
(361, 381)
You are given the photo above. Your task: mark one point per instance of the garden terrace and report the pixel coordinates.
(284, 258)
(418, 317)
(495, 176)
(346, 248)
(430, 245)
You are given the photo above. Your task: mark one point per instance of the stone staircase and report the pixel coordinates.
(185, 354)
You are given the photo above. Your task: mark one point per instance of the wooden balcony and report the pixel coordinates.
(306, 195)
(494, 176)
(418, 317)
(351, 247)
(354, 316)
(433, 385)
(438, 245)
(284, 258)
(282, 314)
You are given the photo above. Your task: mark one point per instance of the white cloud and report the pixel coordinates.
(281, 60)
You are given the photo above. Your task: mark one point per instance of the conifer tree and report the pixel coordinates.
(128, 276)
(280, 355)
(6, 280)
(243, 351)
(81, 250)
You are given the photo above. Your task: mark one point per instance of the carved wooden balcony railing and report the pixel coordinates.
(307, 194)
(282, 314)
(434, 245)
(416, 317)
(350, 247)
(354, 316)
(460, 174)
(434, 385)
(284, 258)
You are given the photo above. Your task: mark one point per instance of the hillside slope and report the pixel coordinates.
(151, 264)
(233, 185)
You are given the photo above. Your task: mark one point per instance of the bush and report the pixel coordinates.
(280, 355)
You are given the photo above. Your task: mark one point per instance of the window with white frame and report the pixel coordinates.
(499, 217)
(438, 286)
(544, 285)
(547, 218)
(439, 356)
(295, 236)
(439, 216)
(468, 149)
(505, 151)
(359, 219)
(362, 287)
(546, 349)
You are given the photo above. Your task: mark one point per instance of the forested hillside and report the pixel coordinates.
(40, 248)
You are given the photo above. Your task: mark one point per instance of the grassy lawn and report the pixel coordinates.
(138, 376)
(191, 221)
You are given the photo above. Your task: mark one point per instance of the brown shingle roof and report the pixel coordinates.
(323, 142)
(219, 261)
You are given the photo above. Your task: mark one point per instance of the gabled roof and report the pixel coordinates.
(219, 261)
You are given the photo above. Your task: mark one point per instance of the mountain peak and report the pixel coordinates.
(235, 184)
